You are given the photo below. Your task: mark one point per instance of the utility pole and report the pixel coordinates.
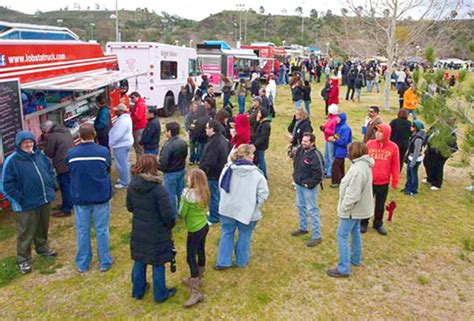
(117, 34)
(245, 36)
(240, 7)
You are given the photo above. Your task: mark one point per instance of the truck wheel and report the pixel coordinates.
(169, 107)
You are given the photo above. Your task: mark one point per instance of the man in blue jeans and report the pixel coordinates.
(172, 163)
(214, 158)
(91, 189)
(307, 174)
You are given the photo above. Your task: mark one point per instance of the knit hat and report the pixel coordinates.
(333, 109)
(418, 125)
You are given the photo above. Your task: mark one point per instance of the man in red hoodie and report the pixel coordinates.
(385, 172)
(139, 121)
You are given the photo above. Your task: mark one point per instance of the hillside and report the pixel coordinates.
(343, 34)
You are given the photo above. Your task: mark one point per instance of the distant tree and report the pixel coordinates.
(313, 13)
(97, 6)
(329, 14)
(299, 10)
(261, 10)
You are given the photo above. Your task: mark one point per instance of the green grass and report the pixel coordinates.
(6, 233)
(403, 276)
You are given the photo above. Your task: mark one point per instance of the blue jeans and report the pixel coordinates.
(193, 151)
(241, 100)
(200, 149)
(226, 99)
(83, 217)
(359, 92)
(306, 106)
(411, 185)
(214, 203)
(352, 254)
(261, 161)
(370, 84)
(328, 158)
(151, 151)
(65, 187)
(160, 291)
(122, 162)
(297, 103)
(174, 185)
(226, 242)
(307, 203)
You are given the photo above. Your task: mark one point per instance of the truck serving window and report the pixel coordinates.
(192, 66)
(169, 70)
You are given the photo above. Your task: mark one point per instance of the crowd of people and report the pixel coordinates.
(225, 182)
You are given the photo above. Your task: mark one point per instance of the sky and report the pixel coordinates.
(198, 11)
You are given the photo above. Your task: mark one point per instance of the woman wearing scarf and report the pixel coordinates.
(243, 189)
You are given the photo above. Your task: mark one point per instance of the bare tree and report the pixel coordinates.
(389, 26)
(261, 10)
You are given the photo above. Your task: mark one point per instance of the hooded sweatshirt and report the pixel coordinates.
(344, 134)
(417, 141)
(387, 161)
(355, 191)
(333, 94)
(247, 190)
(242, 130)
(138, 114)
(27, 179)
(330, 125)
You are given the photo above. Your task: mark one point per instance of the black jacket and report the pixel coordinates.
(307, 93)
(308, 167)
(296, 93)
(58, 142)
(214, 156)
(153, 219)
(401, 132)
(173, 155)
(151, 135)
(265, 102)
(255, 87)
(303, 127)
(198, 133)
(262, 135)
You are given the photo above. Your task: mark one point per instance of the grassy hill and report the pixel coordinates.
(341, 33)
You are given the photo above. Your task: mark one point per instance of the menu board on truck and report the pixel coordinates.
(11, 115)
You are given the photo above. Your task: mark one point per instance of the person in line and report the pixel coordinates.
(89, 167)
(270, 90)
(195, 201)
(241, 131)
(401, 89)
(190, 126)
(222, 117)
(183, 101)
(401, 132)
(329, 129)
(435, 158)
(297, 92)
(307, 174)
(298, 126)
(151, 135)
(410, 99)
(351, 84)
(28, 184)
(151, 241)
(254, 84)
(359, 82)
(210, 106)
(355, 203)
(242, 94)
(227, 91)
(307, 96)
(341, 139)
(58, 141)
(243, 190)
(102, 123)
(266, 103)
(214, 158)
(261, 140)
(325, 95)
(203, 88)
(199, 131)
(120, 141)
(385, 172)
(139, 121)
(190, 89)
(373, 120)
(172, 163)
(333, 93)
(415, 157)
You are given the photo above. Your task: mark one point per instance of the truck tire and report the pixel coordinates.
(168, 108)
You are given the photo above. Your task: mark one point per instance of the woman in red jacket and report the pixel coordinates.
(333, 94)
(139, 121)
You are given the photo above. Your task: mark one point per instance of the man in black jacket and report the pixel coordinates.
(307, 174)
(172, 163)
(214, 157)
(151, 135)
(261, 139)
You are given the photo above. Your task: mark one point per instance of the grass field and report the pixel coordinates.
(423, 269)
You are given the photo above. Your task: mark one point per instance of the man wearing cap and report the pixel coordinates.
(28, 183)
(151, 135)
(139, 121)
(120, 142)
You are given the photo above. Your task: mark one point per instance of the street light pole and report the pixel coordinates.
(117, 35)
(245, 35)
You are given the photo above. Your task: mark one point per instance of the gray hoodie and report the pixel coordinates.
(355, 191)
(248, 191)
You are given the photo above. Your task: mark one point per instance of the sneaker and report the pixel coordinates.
(381, 230)
(334, 185)
(49, 252)
(299, 232)
(220, 268)
(409, 193)
(336, 274)
(119, 186)
(314, 242)
(363, 229)
(101, 269)
(434, 188)
(24, 267)
(424, 181)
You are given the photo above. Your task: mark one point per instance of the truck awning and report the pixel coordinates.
(82, 82)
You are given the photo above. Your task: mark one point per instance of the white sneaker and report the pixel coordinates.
(434, 188)
(120, 186)
(424, 181)
(118, 180)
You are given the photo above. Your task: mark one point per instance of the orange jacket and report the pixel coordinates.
(410, 99)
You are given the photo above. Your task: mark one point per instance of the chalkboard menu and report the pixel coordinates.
(11, 118)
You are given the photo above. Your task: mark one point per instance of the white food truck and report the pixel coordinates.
(167, 68)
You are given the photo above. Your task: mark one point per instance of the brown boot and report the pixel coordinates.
(201, 271)
(196, 295)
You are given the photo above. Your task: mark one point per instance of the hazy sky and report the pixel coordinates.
(191, 9)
